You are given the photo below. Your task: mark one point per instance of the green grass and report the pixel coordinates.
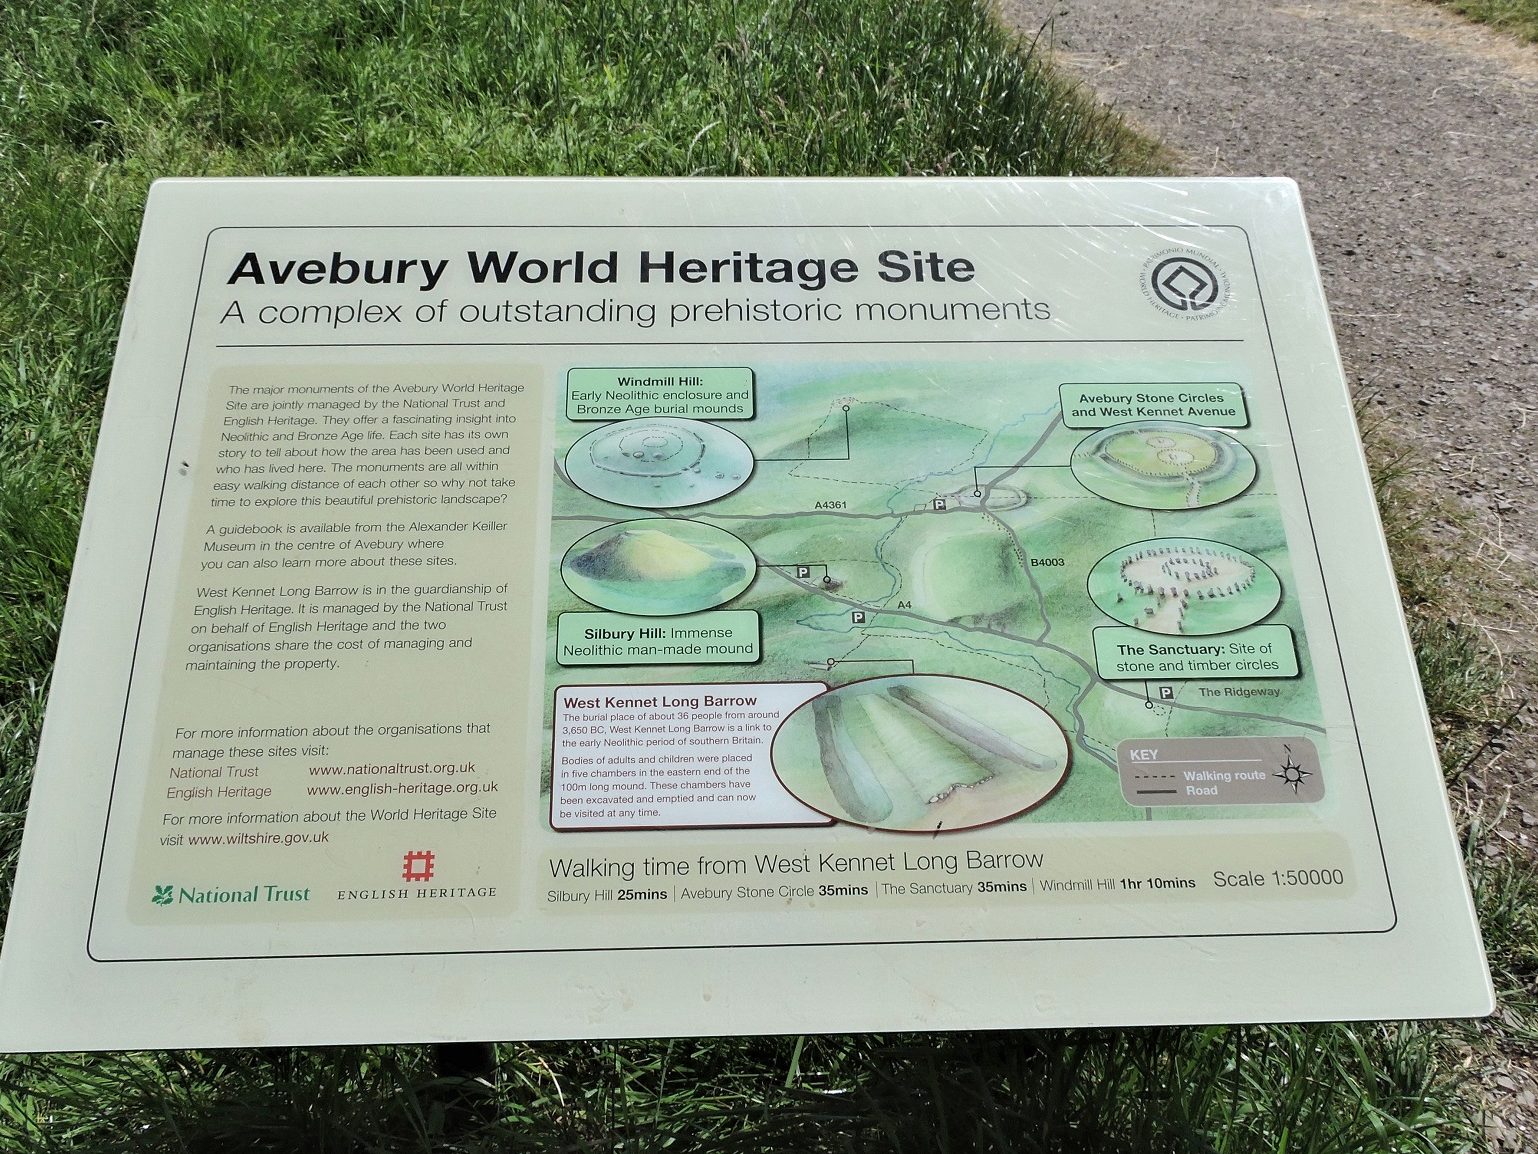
(1516, 16)
(1506, 895)
(1225, 1090)
(97, 99)
(1442, 592)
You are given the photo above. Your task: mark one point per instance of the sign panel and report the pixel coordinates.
(578, 608)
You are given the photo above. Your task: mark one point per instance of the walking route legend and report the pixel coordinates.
(752, 605)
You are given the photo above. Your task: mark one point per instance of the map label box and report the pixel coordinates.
(1126, 654)
(1098, 406)
(1220, 771)
(687, 756)
(728, 637)
(700, 393)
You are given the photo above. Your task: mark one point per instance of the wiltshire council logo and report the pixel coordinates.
(1185, 283)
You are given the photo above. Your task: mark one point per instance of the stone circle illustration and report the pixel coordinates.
(1163, 465)
(1184, 585)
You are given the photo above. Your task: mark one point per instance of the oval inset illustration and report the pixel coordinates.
(658, 567)
(1163, 465)
(920, 753)
(1184, 585)
(659, 462)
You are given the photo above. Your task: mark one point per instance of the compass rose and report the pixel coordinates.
(1292, 773)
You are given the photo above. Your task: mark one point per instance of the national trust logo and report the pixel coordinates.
(1185, 283)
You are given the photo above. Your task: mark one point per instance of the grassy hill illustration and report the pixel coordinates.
(892, 454)
(658, 567)
(976, 578)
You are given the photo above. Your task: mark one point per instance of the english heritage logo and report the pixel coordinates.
(417, 865)
(1185, 283)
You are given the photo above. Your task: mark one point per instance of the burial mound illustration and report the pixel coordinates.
(657, 567)
(920, 753)
(659, 462)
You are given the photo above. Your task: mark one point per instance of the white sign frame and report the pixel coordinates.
(87, 966)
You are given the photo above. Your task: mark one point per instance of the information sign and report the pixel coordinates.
(529, 609)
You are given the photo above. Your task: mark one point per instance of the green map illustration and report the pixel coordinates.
(926, 519)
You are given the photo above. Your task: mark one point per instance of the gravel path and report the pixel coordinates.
(1413, 136)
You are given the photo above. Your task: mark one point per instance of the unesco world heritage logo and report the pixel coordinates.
(1185, 283)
